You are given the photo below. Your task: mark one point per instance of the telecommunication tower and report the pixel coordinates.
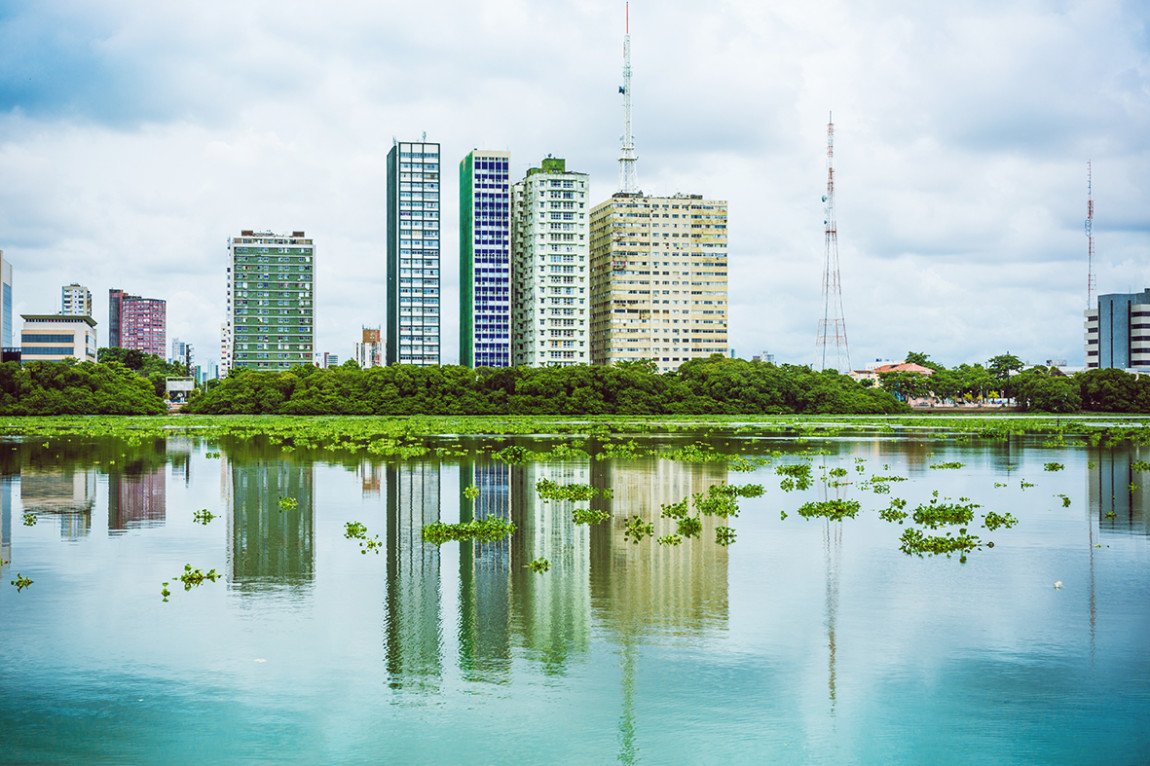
(832, 327)
(1089, 235)
(628, 180)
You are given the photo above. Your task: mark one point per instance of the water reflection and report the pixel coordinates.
(69, 493)
(5, 520)
(271, 528)
(485, 577)
(136, 498)
(1115, 489)
(414, 644)
(551, 611)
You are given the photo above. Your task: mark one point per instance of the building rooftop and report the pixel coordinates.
(58, 318)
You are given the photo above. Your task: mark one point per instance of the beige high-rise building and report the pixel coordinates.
(549, 267)
(658, 279)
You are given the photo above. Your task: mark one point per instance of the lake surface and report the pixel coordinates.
(805, 641)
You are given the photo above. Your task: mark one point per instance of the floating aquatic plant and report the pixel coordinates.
(690, 526)
(836, 509)
(952, 465)
(489, 529)
(724, 535)
(287, 503)
(539, 565)
(589, 516)
(895, 511)
(21, 582)
(635, 529)
(471, 492)
(1052, 466)
(203, 516)
(670, 540)
(550, 490)
(914, 542)
(993, 521)
(29, 519)
(935, 514)
(196, 577)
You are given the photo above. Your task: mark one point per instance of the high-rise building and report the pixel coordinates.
(485, 259)
(5, 302)
(270, 301)
(413, 253)
(137, 323)
(55, 337)
(76, 300)
(179, 350)
(1118, 331)
(549, 253)
(658, 279)
(226, 344)
(369, 351)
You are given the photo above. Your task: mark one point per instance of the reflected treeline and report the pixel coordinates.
(414, 637)
(1115, 489)
(271, 528)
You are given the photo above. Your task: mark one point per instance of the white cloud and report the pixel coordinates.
(135, 139)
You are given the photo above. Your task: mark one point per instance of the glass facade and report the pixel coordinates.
(5, 302)
(485, 260)
(271, 301)
(413, 254)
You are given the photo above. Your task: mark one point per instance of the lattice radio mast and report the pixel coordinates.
(832, 326)
(1089, 235)
(628, 179)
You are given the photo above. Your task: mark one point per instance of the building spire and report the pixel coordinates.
(628, 179)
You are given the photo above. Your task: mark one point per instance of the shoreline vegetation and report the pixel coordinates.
(717, 386)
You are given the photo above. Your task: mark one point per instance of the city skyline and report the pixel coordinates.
(963, 136)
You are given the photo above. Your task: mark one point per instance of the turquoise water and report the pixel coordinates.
(806, 641)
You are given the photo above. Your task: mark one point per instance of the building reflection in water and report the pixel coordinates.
(551, 612)
(1117, 497)
(5, 519)
(271, 530)
(136, 498)
(485, 576)
(414, 641)
(69, 493)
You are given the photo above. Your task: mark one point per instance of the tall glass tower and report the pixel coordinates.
(413, 253)
(485, 260)
(5, 302)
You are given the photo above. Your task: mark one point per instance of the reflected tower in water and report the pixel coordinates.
(271, 530)
(1115, 492)
(413, 597)
(136, 498)
(551, 611)
(485, 576)
(69, 493)
(5, 519)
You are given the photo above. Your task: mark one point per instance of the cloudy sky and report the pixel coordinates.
(135, 138)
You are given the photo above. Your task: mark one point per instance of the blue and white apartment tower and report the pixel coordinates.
(1118, 332)
(413, 253)
(5, 302)
(485, 259)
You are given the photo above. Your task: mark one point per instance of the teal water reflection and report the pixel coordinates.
(805, 641)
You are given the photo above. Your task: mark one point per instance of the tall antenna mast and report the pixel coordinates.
(1089, 234)
(832, 326)
(628, 180)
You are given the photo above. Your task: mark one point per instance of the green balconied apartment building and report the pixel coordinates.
(270, 301)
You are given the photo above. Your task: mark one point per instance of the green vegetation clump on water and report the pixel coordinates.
(835, 510)
(489, 529)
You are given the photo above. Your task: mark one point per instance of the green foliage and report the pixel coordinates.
(993, 521)
(84, 388)
(838, 472)
(203, 516)
(471, 492)
(689, 526)
(353, 530)
(287, 504)
(489, 529)
(539, 565)
(1052, 466)
(550, 490)
(713, 386)
(635, 529)
(164, 591)
(896, 511)
(724, 535)
(935, 514)
(1137, 465)
(675, 510)
(797, 476)
(913, 541)
(21, 582)
(196, 577)
(29, 519)
(589, 516)
(670, 540)
(836, 510)
(952, 465)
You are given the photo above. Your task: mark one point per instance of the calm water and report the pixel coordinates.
(806, 641)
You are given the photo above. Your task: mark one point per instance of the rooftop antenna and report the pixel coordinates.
(832, 326)
(1089, 234)
(628, 180)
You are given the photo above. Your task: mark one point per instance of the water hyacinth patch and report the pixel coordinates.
(836, 510)
(490, 529)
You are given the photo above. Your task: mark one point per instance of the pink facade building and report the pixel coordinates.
(137, 323)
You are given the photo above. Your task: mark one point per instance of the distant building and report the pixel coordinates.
(1118, 332)
(658, 279)
(56, 337)
(550, 255)
(369, 352)
(413, 282)
(270, 301)
(76, 300)
(875, 371)
(5, 302)
(225, 346)
(485, 259)
(326, 360)
(763, 357)
(137, 323)
(179, 351)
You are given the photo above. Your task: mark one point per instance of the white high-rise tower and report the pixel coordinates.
(628, 179)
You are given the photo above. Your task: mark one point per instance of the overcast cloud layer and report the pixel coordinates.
(135, 138)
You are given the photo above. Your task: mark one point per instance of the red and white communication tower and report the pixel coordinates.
(1089, 235)
(832, 327)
